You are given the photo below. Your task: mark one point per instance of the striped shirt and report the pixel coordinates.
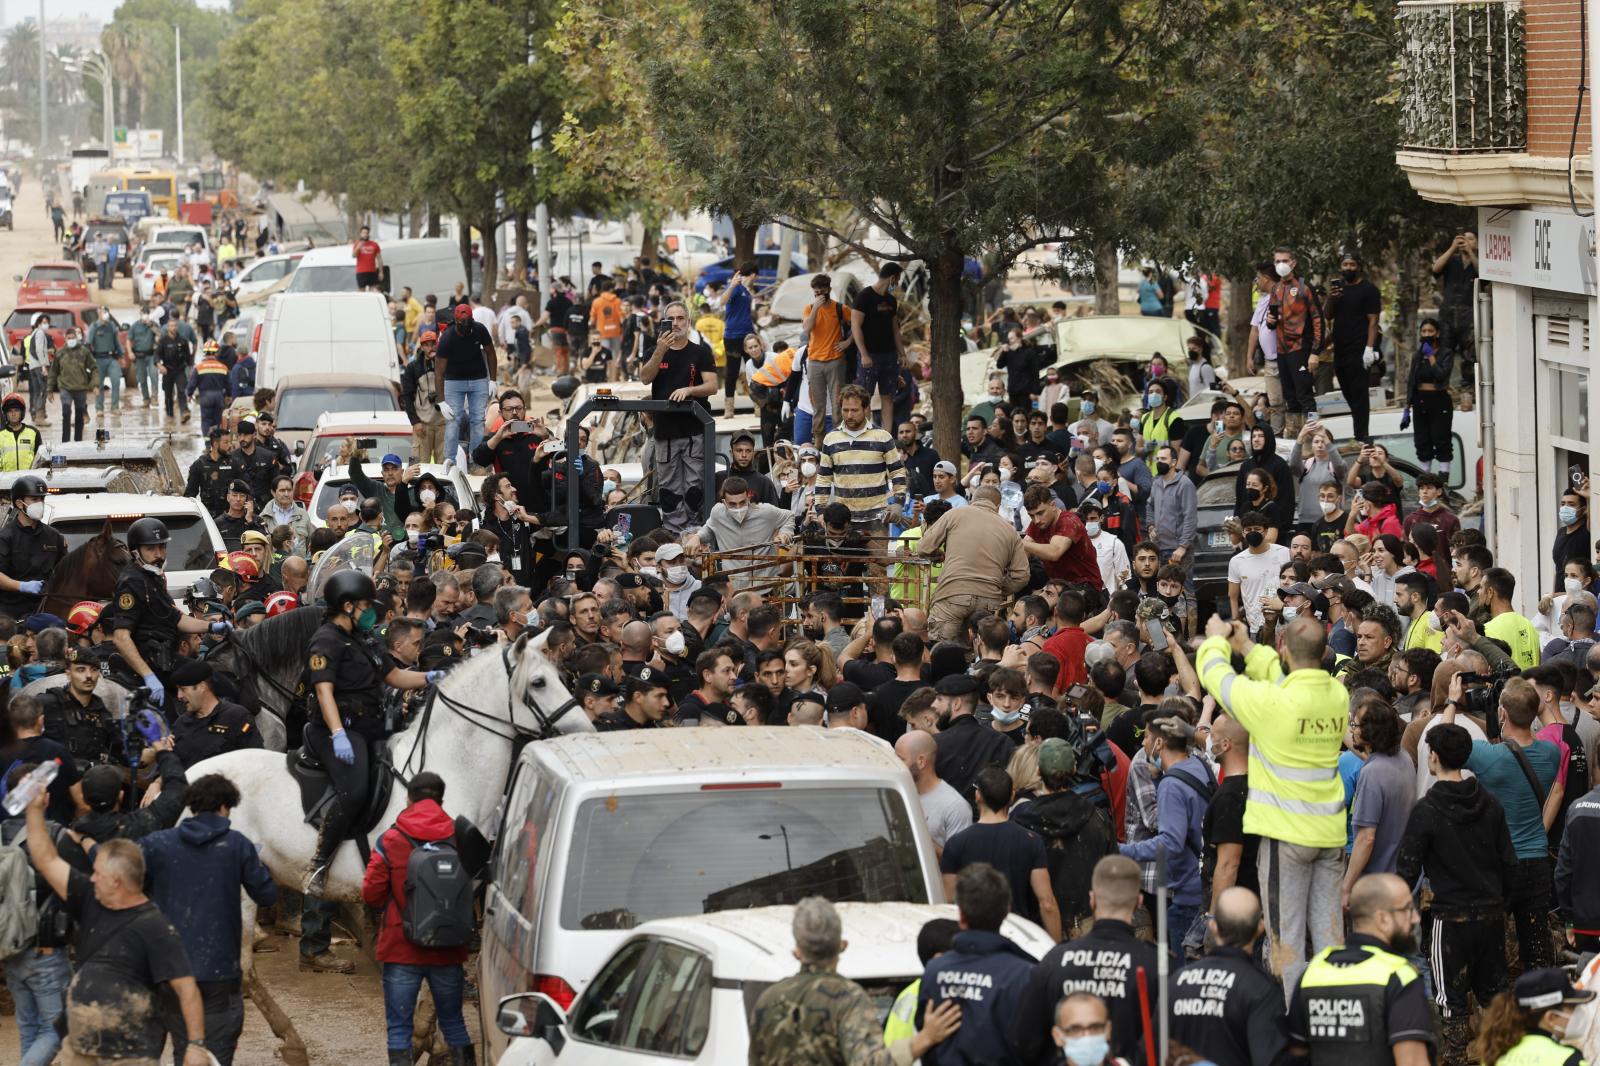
(861, 470)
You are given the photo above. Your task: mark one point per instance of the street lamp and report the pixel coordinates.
(784, 830)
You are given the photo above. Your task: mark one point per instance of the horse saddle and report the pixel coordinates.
(317, 792)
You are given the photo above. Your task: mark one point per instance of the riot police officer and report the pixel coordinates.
(1224, 1006)
(1362, 1003)
(212, 473)
(212, 726)
(145, 623)
(76, 717)
(347, 670)
(29, 548)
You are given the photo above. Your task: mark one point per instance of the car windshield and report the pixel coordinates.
(322, 449)
(44, 274)
(328, 490)
(638, 857)
(333, 278)
(175, 236)
(299, 408)
(191, 547)
(1218, 491)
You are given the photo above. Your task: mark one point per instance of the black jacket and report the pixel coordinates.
(1458, 837)
(1578, 864)
(966, 747)
(1077, 834)
(1269, 461)
(162, 813)
(1229, 1010)
(1106, 962)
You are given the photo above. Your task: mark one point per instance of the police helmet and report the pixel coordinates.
(148, 533)
(30, 486)
(347, 587)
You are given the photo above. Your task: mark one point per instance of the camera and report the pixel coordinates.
(1482, 698)
(428, 543)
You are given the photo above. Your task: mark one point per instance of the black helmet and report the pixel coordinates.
(148, 533)
(29, 485)
(346, 586)
(204, 589)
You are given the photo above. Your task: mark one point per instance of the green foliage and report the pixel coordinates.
(140, 41)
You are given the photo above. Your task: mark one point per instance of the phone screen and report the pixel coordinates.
(1158, 636)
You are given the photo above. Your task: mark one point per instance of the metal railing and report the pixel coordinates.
(1463, 77)
(786, 579)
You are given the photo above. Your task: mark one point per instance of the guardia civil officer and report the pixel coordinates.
(348, 668)
(1224, 1006)
(1104, 962)
(76, 717)
(1362, 1003)
(30, 548)
(145, 623)
(211, 726)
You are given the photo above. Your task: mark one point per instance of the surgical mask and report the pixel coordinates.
(1283, 269)
(1086, 1050)
(1571, 584)
(1005, 717)
(808, 469)
(367, 619)
(607, 487)
(739, 514)
(1092, 528)
(1086, 408)
(996, 397)
(1430, 504)
(650, 571)
(1434, 624)
(427, 496)
(1154, 399)
(1158, 371)
(1328, 506)
(1291, 613)
(677, 575)
(1254, 538)
(35, 511)
(1568, 515)
(1163, 469)
(1005, 475)
(72, 342)
(673, 644)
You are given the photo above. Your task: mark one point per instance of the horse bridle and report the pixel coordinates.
(289, 695)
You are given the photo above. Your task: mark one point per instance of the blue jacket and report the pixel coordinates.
(193, 873)
(242, 378)
(1179, 812)
(987, 974)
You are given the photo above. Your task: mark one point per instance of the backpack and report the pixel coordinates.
(19, 904)
(438, 907)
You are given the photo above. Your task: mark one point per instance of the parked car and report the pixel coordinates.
(452, 480)
(305, 333)
(128, 205)
(766, 270)
(151, 462)
(690, 252)
(426, 264)
(390, 431)
(196, 546)
(53, 280)
(604, 832)
(682, 989)
(303, 398)
(268, 270)
(113, 231)
(6, 206)
(179, 237)
(78, 479)
(63, 315)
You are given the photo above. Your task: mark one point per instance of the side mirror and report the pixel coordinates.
(299, 448)
(534, 1015)
(8, 370)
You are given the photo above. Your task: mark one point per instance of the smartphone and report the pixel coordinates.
(1158, 636)
(519, 426)
(366, 442)
(877, 607)
(1224, 610)
(1575, 474)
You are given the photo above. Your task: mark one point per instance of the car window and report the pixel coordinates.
(191, 547)
(43, 274)
(695, 244)
(23, 319)
(299, 408)
(636, 857)
(328, 493)
(533, 801)
(331, 278)
(324, 449)
(594, 1016)
(667, 1014)
(1218, 491)
(1404, 446)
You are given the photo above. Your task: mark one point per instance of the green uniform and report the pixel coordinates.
(816, 1018)
(1540, 1049)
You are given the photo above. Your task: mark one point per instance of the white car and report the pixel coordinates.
(196, 547)
(144, 277)
(452, 479)
(691, 252)
(682, 989)
(265, 272)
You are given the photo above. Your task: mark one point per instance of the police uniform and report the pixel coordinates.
(355, 670)
(1105, 962)
(88, 730)
(640, 678)
(141, 604)
(1227, 1009)
(209, 479)
(259, 467)
(984, 972)
(229, 727)
(27, 553)
(232, 530)
(1355, 1002)
(816, 1017)
(694, 707)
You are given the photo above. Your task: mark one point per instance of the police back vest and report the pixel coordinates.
(1536, 1049)
(1345, 1007)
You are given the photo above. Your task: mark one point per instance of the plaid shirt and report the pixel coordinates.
(1140, 818)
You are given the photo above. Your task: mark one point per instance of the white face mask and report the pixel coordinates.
(649, 571)
(427, 496)
(740, 513)
(35, 511)
(1328, 508)
(1005, 475)
(808, 469)
(1284, 269)
(1291, 613)
(674, 644)
(1572, 584)
(677, 575)
(1092, 528)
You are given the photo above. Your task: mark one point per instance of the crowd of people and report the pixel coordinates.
(1352, 782)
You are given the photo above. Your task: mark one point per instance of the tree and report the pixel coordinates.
(148, 26)
(957, 127)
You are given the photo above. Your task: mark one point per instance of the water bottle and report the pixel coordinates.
(17, 799)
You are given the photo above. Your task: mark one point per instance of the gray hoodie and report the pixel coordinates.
(756, 534)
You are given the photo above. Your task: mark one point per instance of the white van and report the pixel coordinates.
(603, 832)
(325, 333)
(426, 264)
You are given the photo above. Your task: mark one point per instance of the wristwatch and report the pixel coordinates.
(199, 1042)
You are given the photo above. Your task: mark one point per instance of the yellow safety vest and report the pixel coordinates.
(1296, 726)
(1156, 431)
(1519, 635)
(1536, 1049)
(902, 1023)
(18, 447)
(1422, 635)
(1345, 1006)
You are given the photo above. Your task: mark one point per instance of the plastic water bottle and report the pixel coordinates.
(17, 799)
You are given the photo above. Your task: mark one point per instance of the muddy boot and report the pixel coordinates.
(727, 407)
(466, 1055)
(1457, 1035)
(329, 836)
(328, 962)
(401, 1057)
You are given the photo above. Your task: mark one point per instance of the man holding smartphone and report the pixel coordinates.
(680, 371)
(513, 449)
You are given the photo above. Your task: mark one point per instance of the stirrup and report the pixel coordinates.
(316, 879)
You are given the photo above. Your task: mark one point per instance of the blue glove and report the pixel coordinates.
(32, 588)
(342, 749)
(158, 691)
(220, 628)
(434, 676)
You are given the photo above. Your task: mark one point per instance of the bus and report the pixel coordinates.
(162, 185)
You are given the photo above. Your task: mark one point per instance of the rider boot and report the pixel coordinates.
(329, 836)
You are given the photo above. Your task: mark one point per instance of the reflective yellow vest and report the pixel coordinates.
(1536, 1049)
(1423, 635)
(1296, 725)
(1345, 1006)
(902, 1023)
(18, 447)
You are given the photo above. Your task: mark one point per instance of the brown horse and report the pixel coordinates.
(89, 572)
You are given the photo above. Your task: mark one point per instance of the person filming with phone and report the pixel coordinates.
(513, 448)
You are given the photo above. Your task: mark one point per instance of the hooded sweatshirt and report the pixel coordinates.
(1077, 834)
(1458, 838)
(1578, 864)
(195, 872)
(1268, 460)
(384, 886)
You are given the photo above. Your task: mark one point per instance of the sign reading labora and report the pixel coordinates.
(1541, 249)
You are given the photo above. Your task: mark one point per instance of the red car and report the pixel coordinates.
(56, 280)
(63, 314)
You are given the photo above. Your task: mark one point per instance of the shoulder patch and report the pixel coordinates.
(125, 601)
(319, 662)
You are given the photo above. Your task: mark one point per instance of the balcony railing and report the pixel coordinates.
(1463, 81)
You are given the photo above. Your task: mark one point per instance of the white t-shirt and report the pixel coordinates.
(1424, 779)
(1256, 576)
(485, 318)
(1267, 338)
(1112, 555)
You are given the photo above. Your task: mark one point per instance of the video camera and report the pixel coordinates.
(1481, 697)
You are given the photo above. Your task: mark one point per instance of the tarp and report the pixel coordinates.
(1127, 337)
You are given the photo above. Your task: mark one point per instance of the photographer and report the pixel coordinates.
(512, 449)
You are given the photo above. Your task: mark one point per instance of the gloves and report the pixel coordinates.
(434, 676)
(1371, 358)
(158, 691)
(342, 749)
(448, 411)
(31, 588)
(1405, 419)
(220, 628)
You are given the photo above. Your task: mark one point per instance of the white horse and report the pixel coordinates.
(505, 692)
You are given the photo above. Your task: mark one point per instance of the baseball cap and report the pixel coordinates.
(646, 679)
(463, 312)
(392, 460)
(668, 552)
(945, 466)
(428, 336)
(1300, 588)
(597, 685)
(1546, 988)
(101, 786)
(744, 438)
(1337, 583)
(246, 426)
(239, 485)
(844, 696)
(85, 656)
(1057, 757)
(348, 490)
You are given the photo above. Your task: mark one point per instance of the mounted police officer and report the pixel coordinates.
(29, 548)
(212, 726)
(347, 669)
(76, 717)
(145, 623)
(1362, 1004)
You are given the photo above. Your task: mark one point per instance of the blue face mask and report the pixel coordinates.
(1005, 717)
(607, 487)
(366, 620)
(1086, 408)
(1086, 1050)
(1153, 400)
(1569, 515)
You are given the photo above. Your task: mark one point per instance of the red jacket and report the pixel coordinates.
(384, 887)
(1380, 521)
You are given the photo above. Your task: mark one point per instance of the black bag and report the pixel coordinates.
(438, 907)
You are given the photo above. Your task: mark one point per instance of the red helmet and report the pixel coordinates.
(14, 399)
(244, 564)
(281, 602)
(83, 616)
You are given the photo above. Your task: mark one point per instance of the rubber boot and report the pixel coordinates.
(402, 1057)
(329, 836)
(467, 1055)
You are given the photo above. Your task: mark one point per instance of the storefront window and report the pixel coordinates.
(1569, 403)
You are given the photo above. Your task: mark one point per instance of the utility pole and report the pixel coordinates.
(44, 104)
(177, 52)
